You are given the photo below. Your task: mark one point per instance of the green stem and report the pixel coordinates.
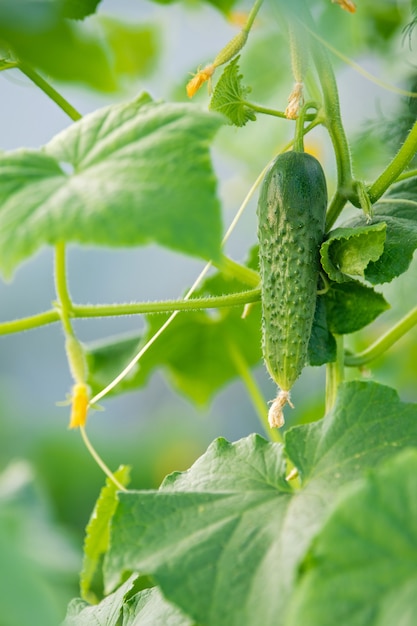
(135, 308)
(396, 167)
(333, 121)
(254, 392)
(336, 206)
(26, 323)
(61, 287)
(405, 175)
(260, 109)
(49, 91)
(385, 342)
(245, 274)
(252, 15)
(8, 65)
(334, 374)
(166, 306)
(298, 145)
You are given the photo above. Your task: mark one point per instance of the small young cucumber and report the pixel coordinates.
(291, 217)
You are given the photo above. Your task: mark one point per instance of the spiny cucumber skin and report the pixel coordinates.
(291, 218)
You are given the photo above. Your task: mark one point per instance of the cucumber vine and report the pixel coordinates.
(142, 171)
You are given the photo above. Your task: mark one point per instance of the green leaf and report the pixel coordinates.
(97, 536)
(348, 251)
(229, 96)
(135, 171)
(79, 9)
(322, 344)
(362, 568)
(107, 613)
(224, 540)
(400, 216)
(149, 608)
(351, 305)
(196, 350)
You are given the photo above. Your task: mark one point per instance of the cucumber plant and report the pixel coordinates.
(312, 523)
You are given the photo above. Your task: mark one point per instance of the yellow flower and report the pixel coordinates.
(79, 408)
(198, 79)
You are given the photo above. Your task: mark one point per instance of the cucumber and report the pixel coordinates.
(291, 217)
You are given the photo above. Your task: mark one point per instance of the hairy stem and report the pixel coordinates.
(406, 175)
(61, 287)
(134, 308)
(27, 323)
(252, 15)
(49, 91)
(167, 306)
(395, 168)
(384, 342)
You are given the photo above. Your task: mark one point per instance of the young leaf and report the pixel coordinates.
(137, 170)
(400, 216)
(229, 96)
(224, 540)
(347, 252)
(96, 541)
(351, 305)
(362, 568)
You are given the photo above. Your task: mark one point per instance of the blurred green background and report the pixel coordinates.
(48, 481)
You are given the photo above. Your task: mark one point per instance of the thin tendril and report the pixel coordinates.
(99, 460)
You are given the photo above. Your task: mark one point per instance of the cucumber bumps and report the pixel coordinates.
(291, 215)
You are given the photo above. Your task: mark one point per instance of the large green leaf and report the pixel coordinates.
(362, 569)
(223, 540)
(139, 172)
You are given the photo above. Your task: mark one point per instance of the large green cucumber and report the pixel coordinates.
(291, 216)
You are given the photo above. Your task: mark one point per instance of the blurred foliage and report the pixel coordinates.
(38, 561)
(97, 53)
